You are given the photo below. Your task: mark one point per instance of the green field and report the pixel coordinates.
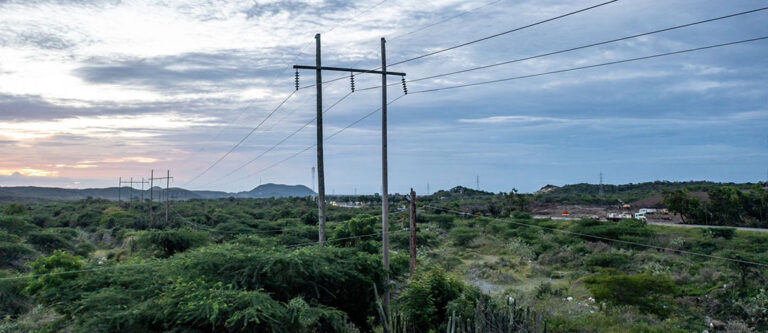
(251, 265)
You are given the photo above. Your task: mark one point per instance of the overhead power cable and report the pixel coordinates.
(241, 140)
(580, 47)
(242, 111)
(478, 40)
(613, 240)
(310, 146)
(443, 20)
(280, 142)
(502, 33)
(589, 66)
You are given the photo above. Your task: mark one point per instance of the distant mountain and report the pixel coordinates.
(26, 193)
(278, 191)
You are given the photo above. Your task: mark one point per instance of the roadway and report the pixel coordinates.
(667, 224)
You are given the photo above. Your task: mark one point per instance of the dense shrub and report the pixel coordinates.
(16, 225)
(463, 236)
(650, 293)
(10, 252)
(607, 260)
(15, 208)
(47, 241)
(170, 242)
(13, 302)
(725, 233)
(427, 299)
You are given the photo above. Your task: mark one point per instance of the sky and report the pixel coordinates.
(95, 90)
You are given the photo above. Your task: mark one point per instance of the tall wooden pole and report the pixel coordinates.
(384, 180)
(151, 184)
(130, 196)
(413, 232)
(167, 184)
(119, 187)
(320, 169)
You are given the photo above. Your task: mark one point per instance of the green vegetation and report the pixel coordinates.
(251, 265)
(590, 193)
(727, 205)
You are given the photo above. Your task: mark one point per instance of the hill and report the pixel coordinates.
(590, 193)
(27, 193)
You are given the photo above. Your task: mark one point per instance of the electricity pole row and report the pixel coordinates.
(120, 183)
(152, 178)
(318, 68)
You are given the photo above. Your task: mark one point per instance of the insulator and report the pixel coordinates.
(297, 79)
(352, 81)
(405, 88)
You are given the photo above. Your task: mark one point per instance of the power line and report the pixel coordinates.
(503, 33)
(242, 140)
(611, 239)
(242, 111)
(589, 66)
(311, 146)
(280, 142)
(443, 20)
(412, 32)
(584, 46)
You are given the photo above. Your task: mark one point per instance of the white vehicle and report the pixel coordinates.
(640, 216)
(647, 211)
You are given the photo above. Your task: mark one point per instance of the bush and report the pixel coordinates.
(15, 208)
(725, 233)
(84, 249)
(650, 293)
(426, 299)
(443, 221)
(15, 225)
(463, 236)
(522, 215)
(607, 260)
(46, 241)
(623, 230)
(171, 242)
(13, 302)
(11, 252)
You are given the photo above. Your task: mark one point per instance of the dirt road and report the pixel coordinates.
(704, 226)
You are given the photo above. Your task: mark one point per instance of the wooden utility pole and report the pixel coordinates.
(384, 178)
(167, 183)
(119, 188)
(162, 194)
(413, 231)
(320, 168)
(318, 68)
(142, 189)
(151, 184)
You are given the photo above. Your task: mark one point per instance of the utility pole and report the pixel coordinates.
(601, 184)
(477, 182)
(167, 183)
(142, 189)
(130, 192)
(165, 194)
(413, 232)
(320, 164)
(119, 188)
(313, 179)
(318, 68)
(427, 188)
(384, 177)
(151, 184)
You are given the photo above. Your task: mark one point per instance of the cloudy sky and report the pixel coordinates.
(95, 90)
